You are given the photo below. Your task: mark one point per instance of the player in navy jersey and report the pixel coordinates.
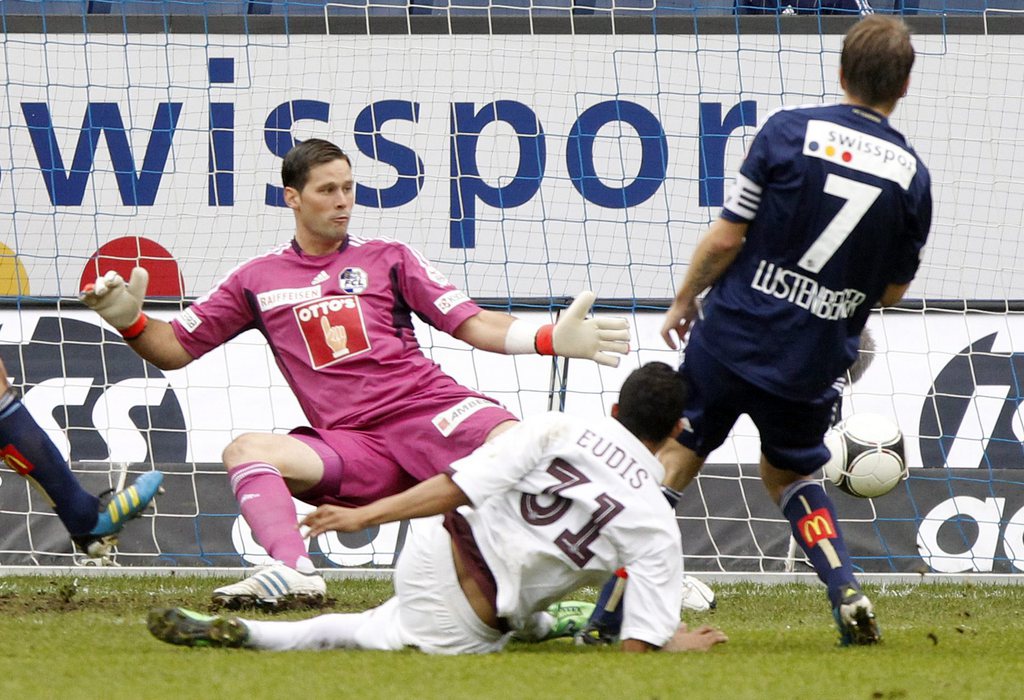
(93, 522)
(555, 503)
(828, 217)
(336, 310)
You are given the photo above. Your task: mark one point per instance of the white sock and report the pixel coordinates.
(377, 628)
(334, 631)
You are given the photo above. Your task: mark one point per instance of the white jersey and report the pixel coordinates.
(561, 502)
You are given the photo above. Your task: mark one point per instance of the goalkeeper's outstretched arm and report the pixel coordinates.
(119, 303)
(602, 339)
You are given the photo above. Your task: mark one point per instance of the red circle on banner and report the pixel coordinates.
(123, 254)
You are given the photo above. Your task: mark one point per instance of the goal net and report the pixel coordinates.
(529, 155)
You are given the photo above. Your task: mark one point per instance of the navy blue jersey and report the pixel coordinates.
(839, 207)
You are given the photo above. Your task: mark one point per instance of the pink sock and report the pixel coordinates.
(267, 506)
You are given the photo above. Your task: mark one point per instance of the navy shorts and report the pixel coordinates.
(792, 432)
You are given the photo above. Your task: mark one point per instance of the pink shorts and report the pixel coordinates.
(416, 442)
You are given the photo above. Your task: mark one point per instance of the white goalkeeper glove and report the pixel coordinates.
(119, 303)
(574, 335)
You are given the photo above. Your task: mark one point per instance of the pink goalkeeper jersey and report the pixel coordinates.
(339, 325)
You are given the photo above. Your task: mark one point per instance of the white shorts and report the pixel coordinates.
(429, 610)
(432, 609)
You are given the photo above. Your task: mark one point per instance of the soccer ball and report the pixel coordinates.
(867, 455)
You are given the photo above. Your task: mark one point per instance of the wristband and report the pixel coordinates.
(544, 342)
(135, 330)
(523, 338)
(519, 338)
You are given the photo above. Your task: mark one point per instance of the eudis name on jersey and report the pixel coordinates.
(806, 293)
(614, 458)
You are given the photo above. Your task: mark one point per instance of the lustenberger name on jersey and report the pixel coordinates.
(615, 458)
(800, 290)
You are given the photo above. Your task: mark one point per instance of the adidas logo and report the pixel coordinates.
(321, 277)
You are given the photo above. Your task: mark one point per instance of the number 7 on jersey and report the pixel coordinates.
(859, 198)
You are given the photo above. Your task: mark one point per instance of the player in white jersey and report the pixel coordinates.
(336, 311)
(554, 503)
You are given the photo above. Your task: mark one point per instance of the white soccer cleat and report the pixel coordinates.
(273, 586)
(855, 617)
(697, 595)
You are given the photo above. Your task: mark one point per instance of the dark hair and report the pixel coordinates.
(651, 400)
(304, 156)
(877, 58)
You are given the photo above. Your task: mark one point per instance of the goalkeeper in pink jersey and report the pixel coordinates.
(336, 310)
(555, 503)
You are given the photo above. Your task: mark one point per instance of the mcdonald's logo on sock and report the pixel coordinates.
(816, 526)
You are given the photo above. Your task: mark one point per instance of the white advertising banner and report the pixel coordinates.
(954, 383)
(524, 166)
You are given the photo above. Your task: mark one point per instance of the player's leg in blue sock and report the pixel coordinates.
(815, 526)
(27, 449)
(606, 620)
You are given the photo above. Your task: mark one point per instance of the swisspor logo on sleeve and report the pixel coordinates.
(333, 329)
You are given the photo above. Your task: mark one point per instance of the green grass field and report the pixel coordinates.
(61, 638)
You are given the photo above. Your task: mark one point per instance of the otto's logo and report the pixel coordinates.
(816, 526)
(353, 280)
(333, 329)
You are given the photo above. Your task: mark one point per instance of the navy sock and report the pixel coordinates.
(28, 450)
(815, 526)
(609, 621)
